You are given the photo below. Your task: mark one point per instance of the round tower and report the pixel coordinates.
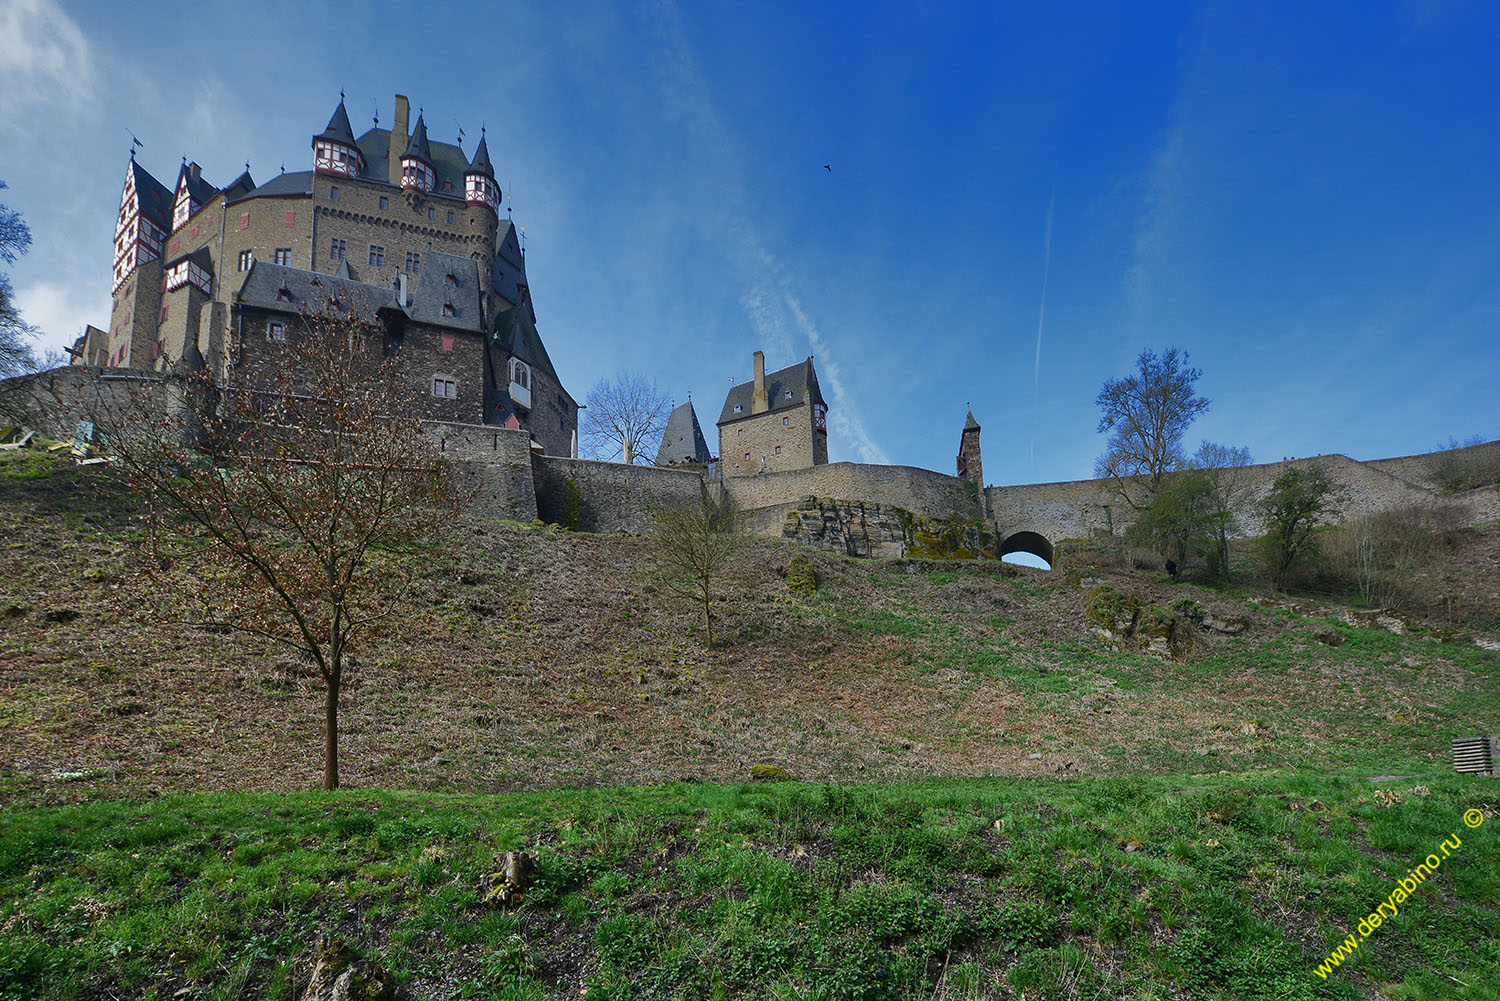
(334, 149)
(416, 163)
(479, 180)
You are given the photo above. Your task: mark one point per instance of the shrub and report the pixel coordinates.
(572, 504)
(1376, 554)
(1460, 467)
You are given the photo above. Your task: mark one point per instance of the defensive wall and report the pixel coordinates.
(850, 507)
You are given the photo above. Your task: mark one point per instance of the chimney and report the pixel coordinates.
(193, 171)
(399, 137)
(758, 403)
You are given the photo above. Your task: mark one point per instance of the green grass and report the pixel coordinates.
(1199, 886)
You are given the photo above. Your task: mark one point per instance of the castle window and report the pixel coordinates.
(283, 256)
(742, 432)
(747, 455)
(738, 408)
(275, 331)
(452, 281)
(333, 192)
(448, 311)
(431, 212)
(284, 294)
(450, 213)
(385, 203)
(448, 338)
(445, 387)
(778, 449)
(244, 220)
(786, 421)
(519, 377)
(413, 263)
(377, 256)
(247, 257)
(338, 249)
(788, 394)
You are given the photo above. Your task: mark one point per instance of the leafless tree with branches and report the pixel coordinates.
(1147, 415)
(291, 511)
(695, 547)
(625, 417)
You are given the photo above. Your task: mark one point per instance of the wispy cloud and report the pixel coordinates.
(60, 311)
(1156, 226)
(45, 61)
(1041, 316)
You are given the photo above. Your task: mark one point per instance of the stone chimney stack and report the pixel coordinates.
(194, 171)
(758, 403)
(399, 136)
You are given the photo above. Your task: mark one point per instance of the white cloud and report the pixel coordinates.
(60, 311)
(45, 60)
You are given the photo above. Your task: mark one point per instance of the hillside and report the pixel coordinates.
(536, 659)
(993, 801)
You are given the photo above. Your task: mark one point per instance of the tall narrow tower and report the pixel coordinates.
(969, 467)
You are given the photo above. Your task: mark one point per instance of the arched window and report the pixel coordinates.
(519, 377)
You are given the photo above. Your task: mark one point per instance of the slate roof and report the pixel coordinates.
(239, 187)
(200, 257)
(338, 127)
(509, 269)
(971, 424)
(432, 292)
(798, 378)
(683, 440)
(481, 161)
(312, 290)
(199, 190)
(298, 182)
(154, 198)
(417, 145)
(448, 162)
(515, 332)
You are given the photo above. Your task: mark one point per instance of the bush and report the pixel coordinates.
(1460, 467)
(572, 504)
(1376, 554)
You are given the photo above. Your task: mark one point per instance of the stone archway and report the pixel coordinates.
(1028, 542)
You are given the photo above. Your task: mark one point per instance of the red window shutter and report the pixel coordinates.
(291, 218)
(244, 220)
(176, 246)
(195, 229)
(447, 342)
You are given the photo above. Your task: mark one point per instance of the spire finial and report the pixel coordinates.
(341, 95)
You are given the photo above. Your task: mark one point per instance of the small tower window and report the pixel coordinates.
(786, 422)
(284, 294)
(448, 338)
(247, 258)
(333, 192)
(450, 214)
(738, 408)
(747, 455)
(275, 331)
(452, 280)
(778, 449)
(741, 432)
(519, 376)
(385, 203)
(431, 213)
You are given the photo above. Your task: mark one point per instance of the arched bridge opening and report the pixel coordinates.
(1018, 547)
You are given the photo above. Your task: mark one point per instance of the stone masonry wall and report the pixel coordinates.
(789, 428)
(492, 466)
(922, 491)
(615, 497)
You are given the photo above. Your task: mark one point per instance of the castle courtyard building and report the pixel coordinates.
(407, 227)
(774, 422)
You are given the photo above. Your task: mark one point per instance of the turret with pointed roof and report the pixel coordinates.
(969, 467)
(479, 180)
(335, 150)
(683, 440)
(416, 162)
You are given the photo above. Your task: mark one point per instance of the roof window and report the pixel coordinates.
(284, 294)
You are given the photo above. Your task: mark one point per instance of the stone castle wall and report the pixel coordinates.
(613, 497)
(922, 491)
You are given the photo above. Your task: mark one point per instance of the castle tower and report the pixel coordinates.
(479, 180)
(416, 163)
(969, 467)
(334, 150)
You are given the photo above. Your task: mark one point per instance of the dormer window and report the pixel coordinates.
(452, 281)
(738, 408)
(284, 294)
(447, 309)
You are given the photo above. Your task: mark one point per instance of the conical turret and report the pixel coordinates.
(479, 180)
(334, 149)
(416, 162)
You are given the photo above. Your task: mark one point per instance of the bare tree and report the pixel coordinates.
(695, 548)
(17, 354)
(1227, 498)
(1147, 415)
(624, 417)
(290, 513)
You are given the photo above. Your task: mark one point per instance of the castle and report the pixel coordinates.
(400, 231)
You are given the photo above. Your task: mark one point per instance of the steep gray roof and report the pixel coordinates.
(481, 161)
(516, 334)
(155, 200)
(433, 292)
(971, 424)
(799, 378)
(683, 440)
(448, 162)
(199, 190)
(338, 127)
(509, 269)
(313, 291)
(239, 187)
(200, 257)
(298, 182)
(417, 145)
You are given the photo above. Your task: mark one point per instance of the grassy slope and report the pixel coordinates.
(1207, 888)
(539, 660)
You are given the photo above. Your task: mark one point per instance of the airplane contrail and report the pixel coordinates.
(1036, 378)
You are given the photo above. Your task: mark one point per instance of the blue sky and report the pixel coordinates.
(1304, 197)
